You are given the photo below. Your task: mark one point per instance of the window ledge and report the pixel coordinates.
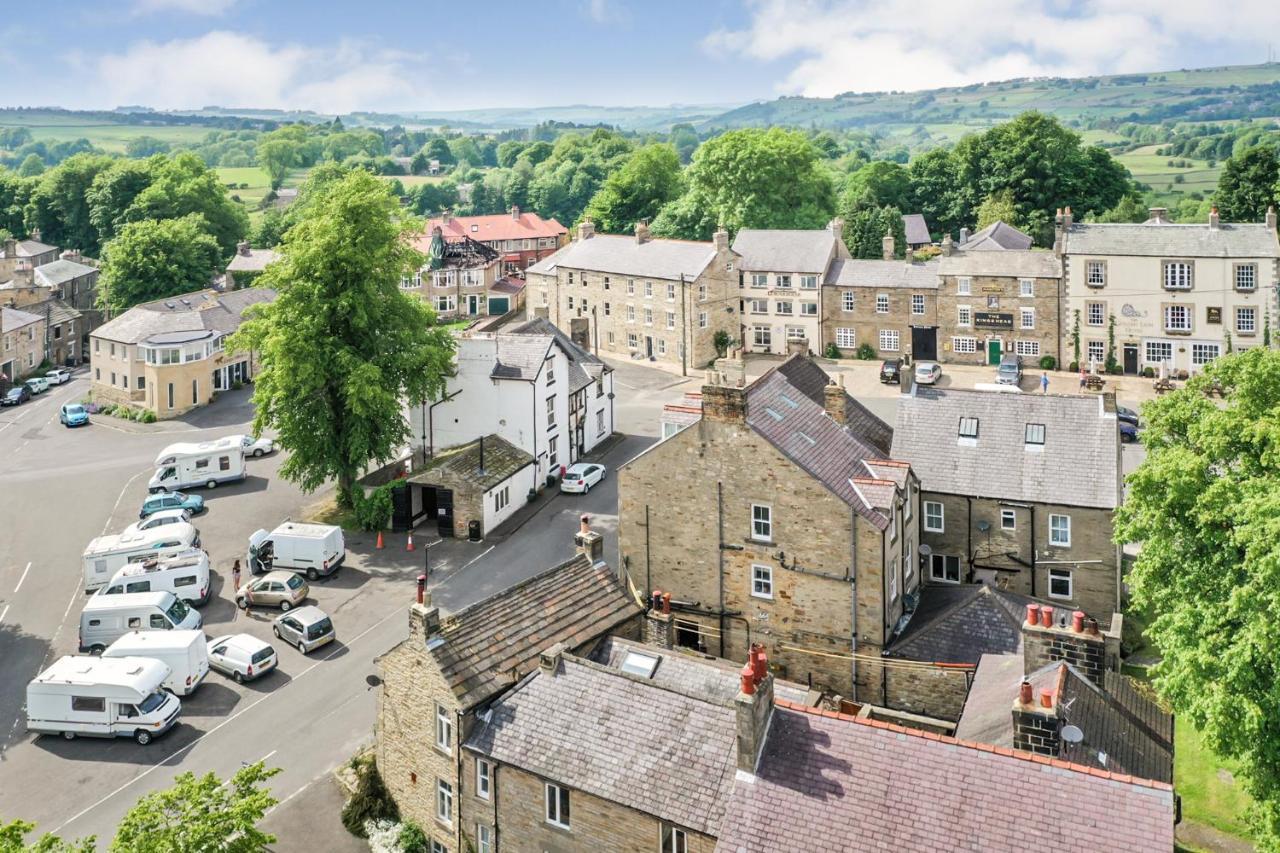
(1246, 334)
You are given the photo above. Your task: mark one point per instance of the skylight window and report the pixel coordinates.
(792, 403)
(771, 413)
(968, 427)
(638, 664)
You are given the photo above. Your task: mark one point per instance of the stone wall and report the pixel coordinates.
(867, 323)
(1005, 290)
(930, 691)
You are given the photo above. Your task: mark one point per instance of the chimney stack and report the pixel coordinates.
(837, 229)
(424, 619)
(1066, 218)
(242, 247)
(515, 211)
(642, 232)
(754, 708)
(35, 234)
(833, 399)
(1213, 218)
(721, 239)
(549, 659)
(721, 402)
(964, 236)
(422, 589)
(910, 256)
(658, 625)
(10, 247)
(586, 229)
(886, 246)
(588, 542)
(1271, 217)
(948, 247)
(1076, 641)
(1157, 216)
(1035, 718)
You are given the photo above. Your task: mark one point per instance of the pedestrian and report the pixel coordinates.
(235, 577)
(1082, 378)
(1044, 382)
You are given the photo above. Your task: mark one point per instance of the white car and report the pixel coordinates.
(58, 376)
(928, 372)
(581, 477)
(242, 656)
(159, 519)
(256, 446)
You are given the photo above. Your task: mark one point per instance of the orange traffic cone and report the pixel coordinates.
(410, 545)
(379, 545)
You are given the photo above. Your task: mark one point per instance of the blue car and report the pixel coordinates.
(193, 504)
(73, 415)
(1128, 432)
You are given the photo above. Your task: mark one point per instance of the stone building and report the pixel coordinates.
(469, 490)
(21, 344)
(656, 299)
(459, 278)
(889, 305)
(996, 303)
(781, 275)
(778, 518)
(248, 265)
(1180, 294)
(1018, 490)
(31, 250)
(438, 681)
(62, 291)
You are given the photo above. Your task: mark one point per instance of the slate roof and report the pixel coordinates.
(917, 229)
(831, 782)
(502, 460)
(12, 318)
(846, 272)
(997, 237)
(255, 261)
(618, 737)
(203, 309)
(61, 271)
(1078, 465)
(507, 285)
(777, 250)
(498, 226)
(810, 380)
(31, 248)
(1175, 240)
(1013, 262)
(521, 356)
(579, 377)
(487, 647)
(961, 623)
(619, 255)
(1132, 736)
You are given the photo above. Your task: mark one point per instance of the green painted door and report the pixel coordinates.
(993, 352)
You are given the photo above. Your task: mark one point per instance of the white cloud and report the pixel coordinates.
(837, 46)
(212, 8)
(605, 12)
(232, 69)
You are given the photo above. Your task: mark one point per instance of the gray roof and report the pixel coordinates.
(618, 255)
(203, 309)
(255, 261)
(59, 272)
(961, 623)
(618, 737)
(711, 678)
(502, 460)
(1172, 240)
(846, 272)
(811, 380)
(775, 250)
(31, 248)
(579, 377)
(997, 237)
(917, 229)
(521, 356)
(1013, 262)
(54, 310)
(12, 318)
(1078, 464)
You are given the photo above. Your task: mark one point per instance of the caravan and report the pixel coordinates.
(207, 464)
(107, 618)
(102, 697)
(186, 575)
(107, 555)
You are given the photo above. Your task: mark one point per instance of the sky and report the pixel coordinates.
(331, 56)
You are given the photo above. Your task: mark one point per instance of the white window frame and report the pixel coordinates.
(1098, 267)
(672, 839)
(848, 301)
(1249, 311)
(1095, 308)
(671, 319)
(808, 309)
(1056, 537)
(1026, 287)
(929, 516)
(759, 306)
(782, 281)
(555, 807)
(759, 279)
(1030, 349)
(484, 838)
(845, 338)
(1181, 311)
(484, 779)
(964, 316)
(1251, 273)
(1203, 353)
(671, 292)
(444, 802)
(1178, 275)
(762, 336)
(1027, 318)
(882, 303)
(962, 431)
(761, 523)
(783, 308)
(808, 282)
(890, 340)
(964, 286)
(1060, 575)
(936, 560)
(1098, 347)
(761, 581)
(964, 346)
(1008, 519)
(444, 730)
(702, 319)
(917, 304)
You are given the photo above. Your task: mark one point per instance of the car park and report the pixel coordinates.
(206, 463)
(159, 519)
(106, 555)
(57, 376)
(242, 656)
(580, 477)
(186, 575)
(184, 652)
(891, 371)
(102, 697)
(251, 446)
(73, 415)
(285, 590)
(1010, 370)
(37, 384)
(928, 372)
(193, 504)
(16, 396)
(307, 628)
(1127, 415)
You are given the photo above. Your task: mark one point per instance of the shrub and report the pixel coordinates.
(1149, 372)
(1048, 362)
(721, 341)
(866, 352)
(833, 351)
(148, 416)
(1115, 369)
(412, 839)
(370, 802)
(1074, 367)
(373, 510)
(383, 836)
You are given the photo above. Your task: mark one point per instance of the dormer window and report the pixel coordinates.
(969, 428)
(1035, 434)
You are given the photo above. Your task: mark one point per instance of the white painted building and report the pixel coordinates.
(532, 386)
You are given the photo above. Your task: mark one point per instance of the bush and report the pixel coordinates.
(373, 510)
(832, 351)
(148, 416)
(866, 352)
(1074, 367)
(370, 802)
(1048, 362)
(1115, 369)
(412, 839)
(1149, 372)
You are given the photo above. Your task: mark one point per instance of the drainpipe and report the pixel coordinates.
(853, 609)
(969, 528)
(431, 423)
(648, 573)
(533, 429)
(684, 341)
(457, 723)
(719, 559)
(1033, 551)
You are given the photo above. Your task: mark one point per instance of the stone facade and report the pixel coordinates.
(936, 691)
(22, 337)
(995, 318)
(852, 316)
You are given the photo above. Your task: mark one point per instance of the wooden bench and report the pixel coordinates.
(1094, 382)
(1163, 386)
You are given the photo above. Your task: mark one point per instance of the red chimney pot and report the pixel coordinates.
(1077, 621)
(1024, 692)
(1046, 698)
(1091, 627)
(759, 662)
(422, 588)
(1046, 616)
(666, 603)
(748, 680)
(655, 600)
(1033, 614)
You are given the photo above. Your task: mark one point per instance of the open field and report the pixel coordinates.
(1154, 169)
(108, 137)
(410, 181)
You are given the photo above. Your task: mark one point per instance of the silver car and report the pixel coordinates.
(242, 656)
(307, 628)
(159, 519)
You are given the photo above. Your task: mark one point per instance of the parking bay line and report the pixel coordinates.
(21, 579)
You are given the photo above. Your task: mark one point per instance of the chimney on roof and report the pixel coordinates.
(482, 455)
(964, 236)
(886, 246)
(35, 234)
(721, 239)
(10, 247)
(588, 542)
(446, 216)
(833, 399)
(1067, 218)
(642, 232)
(586, 229)
(1059, 233)
(1271, 217)
(722, 402)
(659, 627)
(1049, 636)
(424, 618)
(837, 229)
(948, 247)
(754, 705)
(549, 659)
(1035, 719)
(242, 248)
(515, 211)
(1213, 218)
(71, 255)
(1157, 216)
(910, 255)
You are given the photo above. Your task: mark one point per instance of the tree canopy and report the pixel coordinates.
(647, 180)
(1247, 185)
(156, 258)
(183, 185)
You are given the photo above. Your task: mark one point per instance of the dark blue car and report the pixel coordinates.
(1128, 432)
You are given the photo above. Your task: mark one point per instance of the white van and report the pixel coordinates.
(107, 618)
(107, 555)
(117, 697)
(315, 550)
(180, 466)
(186, 575)
(186, 653)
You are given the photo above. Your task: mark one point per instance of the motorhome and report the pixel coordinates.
(102, 697)
(107, 618)
(185, 574)
(208, 463)
(107, 555)
(315, 550)
(186, 653)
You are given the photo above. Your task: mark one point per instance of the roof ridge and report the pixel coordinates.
(1006, 752)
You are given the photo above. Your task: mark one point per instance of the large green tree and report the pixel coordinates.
(201, 813)
(184, 185)
(865, 229)
(999, 207)
(343, 347)
(59, 206)
(647, 180)
(1247, 185)
(156, 258)
(113, 192)
(879, 184)
(1205, 504)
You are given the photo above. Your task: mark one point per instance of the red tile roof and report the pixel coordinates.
(500, 226)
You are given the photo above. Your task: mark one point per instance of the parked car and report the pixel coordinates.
(928, 372)
(1128, 432)
(37, 384)
(1010, 370)
(891, 371)
(285, 590)
(1127, 415)
(16, 396)
(581, 477)
(193, 504)
(73, 415)
(242, 656)
(308, 628)
(176, 515)
(254, 446)
(58, 375)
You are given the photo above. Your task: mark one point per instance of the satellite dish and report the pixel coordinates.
(374, 681)
(925, 550)
(1072, 734)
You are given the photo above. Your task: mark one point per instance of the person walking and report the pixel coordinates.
(1082, 375)
(235, 578)
(1044, 382)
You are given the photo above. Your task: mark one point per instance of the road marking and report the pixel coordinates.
(4, 613)
(478, 556)
(21, 579)
(119, 498)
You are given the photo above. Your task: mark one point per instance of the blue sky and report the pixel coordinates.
(431, 55)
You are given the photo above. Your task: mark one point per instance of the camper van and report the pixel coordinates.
(107, 555)
(315, 550)
(186, 653)
(180, 466)
(186, 575)
(107, 618)
(102, 697)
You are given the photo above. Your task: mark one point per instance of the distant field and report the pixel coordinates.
(108, 137)
(1154, 169)
(259, 184)
(414, 180)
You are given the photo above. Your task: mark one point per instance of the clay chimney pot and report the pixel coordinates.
(1046, 617)
(1024, 692)
(748, 680)
(1033, 614)
(1077, 621)
(1046, 698)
